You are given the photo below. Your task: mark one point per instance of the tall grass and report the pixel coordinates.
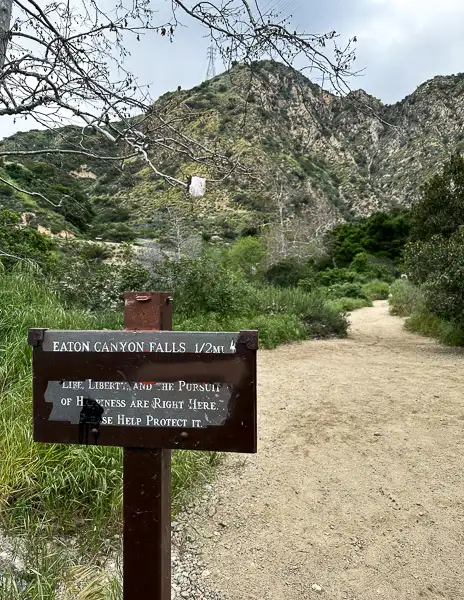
(405, 297)
(73, 488)
(49, 492)
(281, 315)
(407, 300)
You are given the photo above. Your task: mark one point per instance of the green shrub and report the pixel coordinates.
(97, 252)
(424, 322)
(201, 286)
(409, 300)
(312, 309)
(307, 315)
(6, 191)
(370, 267)
(274, 329)
(326, 321)
(381, 235)
(437, 264)
(346, 290)
(287, 272)
(335, 276)
(377, 290)
(246, 257)
(405, 297)
(349, 304)
(23, 244)
(440, 209)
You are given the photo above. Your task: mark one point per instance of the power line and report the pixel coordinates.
(278, 6)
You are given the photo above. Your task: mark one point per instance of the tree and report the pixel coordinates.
(435, 257)
(179, 234)
(247, 256)
(297, 222)
(65, 61)
(383, 235)
(440, 209)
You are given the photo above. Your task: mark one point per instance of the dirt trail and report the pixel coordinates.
(358, 486)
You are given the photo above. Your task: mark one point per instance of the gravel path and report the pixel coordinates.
(357, 490)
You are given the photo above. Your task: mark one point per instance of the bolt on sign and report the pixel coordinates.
(149, 390)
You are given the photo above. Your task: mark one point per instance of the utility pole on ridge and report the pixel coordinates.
(211, 63)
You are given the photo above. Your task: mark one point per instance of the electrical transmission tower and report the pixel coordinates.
(211, 63)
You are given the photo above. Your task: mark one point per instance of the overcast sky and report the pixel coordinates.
(401, 43)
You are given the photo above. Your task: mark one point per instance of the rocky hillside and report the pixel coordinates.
(307, 154)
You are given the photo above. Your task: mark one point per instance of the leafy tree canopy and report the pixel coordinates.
(440, 209)
(382, 235)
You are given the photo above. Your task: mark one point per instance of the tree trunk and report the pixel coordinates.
(5, 19)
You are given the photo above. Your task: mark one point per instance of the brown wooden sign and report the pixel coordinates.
(149, 390)
(157, 389)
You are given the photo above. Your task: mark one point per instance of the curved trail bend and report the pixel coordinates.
(358, 485)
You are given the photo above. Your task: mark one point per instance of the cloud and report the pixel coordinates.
(401, 44)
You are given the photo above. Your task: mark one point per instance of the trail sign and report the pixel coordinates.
(166, 389)
(149, 390)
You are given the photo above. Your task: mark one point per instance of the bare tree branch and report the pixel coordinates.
(63, 62)
(64, 151)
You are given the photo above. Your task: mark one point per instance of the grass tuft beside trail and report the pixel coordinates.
(70, 488)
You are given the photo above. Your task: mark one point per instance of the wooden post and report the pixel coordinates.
(147, 482)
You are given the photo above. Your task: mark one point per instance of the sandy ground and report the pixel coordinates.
(357, 490)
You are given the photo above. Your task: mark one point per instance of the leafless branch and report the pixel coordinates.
(63, 62)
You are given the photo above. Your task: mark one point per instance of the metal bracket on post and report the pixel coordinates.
(249, 339)
(147, 481)
(35, 337)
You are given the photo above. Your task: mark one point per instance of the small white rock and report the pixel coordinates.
(316, 588)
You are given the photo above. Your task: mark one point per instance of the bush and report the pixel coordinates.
(326, 320)
(335, 276)
(23, 244)
(370, 267)
(347, 290)
(87, 285)
(426, 323)
(6, 191)
(246, 257)
(404, 298)
(97, 252)
(381, 235)
(409, 300)
(437, 265)
(312, 309)
(440, 209)
(274, 329)
(349, 304)
(376, 290)
(286, 273)
(202, 285)
(280, 314)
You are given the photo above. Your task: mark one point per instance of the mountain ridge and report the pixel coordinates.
(324, 157)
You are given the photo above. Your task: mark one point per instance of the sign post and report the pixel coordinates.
(147, 482)
(149, 390)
